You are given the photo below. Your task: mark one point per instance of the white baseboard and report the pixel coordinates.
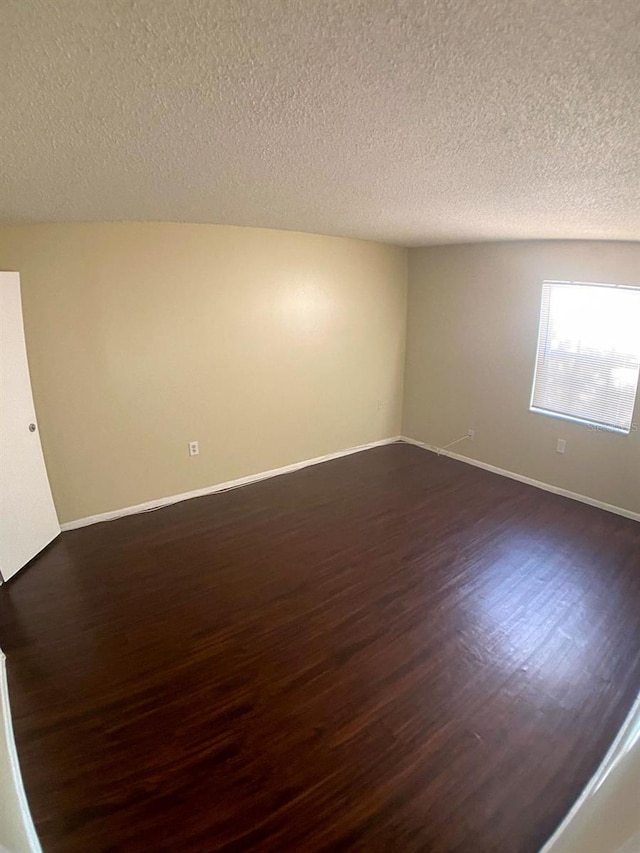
(220, 487)
(17, 831)
(547, 487)
(285, 469)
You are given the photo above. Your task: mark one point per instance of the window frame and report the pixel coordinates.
(597, 425)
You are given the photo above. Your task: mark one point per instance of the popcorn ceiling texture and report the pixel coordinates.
(415, 122)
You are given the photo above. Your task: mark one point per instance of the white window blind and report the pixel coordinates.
(588, 357)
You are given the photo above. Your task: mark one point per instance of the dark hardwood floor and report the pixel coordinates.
(388, 652)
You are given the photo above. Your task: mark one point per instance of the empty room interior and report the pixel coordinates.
(319, 426)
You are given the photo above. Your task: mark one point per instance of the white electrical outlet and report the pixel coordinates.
(471, 433)
(194, 448)
(561, 445)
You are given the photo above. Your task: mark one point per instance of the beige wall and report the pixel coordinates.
(267, 347)
(272, 347)
(473, 316)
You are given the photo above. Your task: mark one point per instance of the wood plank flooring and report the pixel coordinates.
(387, 652)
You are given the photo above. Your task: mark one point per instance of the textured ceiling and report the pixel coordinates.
(415, 122)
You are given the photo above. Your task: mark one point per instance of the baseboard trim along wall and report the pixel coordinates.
(17, 832)
(296, 466)
(556, 490)
(220, 487)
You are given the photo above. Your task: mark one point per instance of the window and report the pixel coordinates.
(588, 353)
